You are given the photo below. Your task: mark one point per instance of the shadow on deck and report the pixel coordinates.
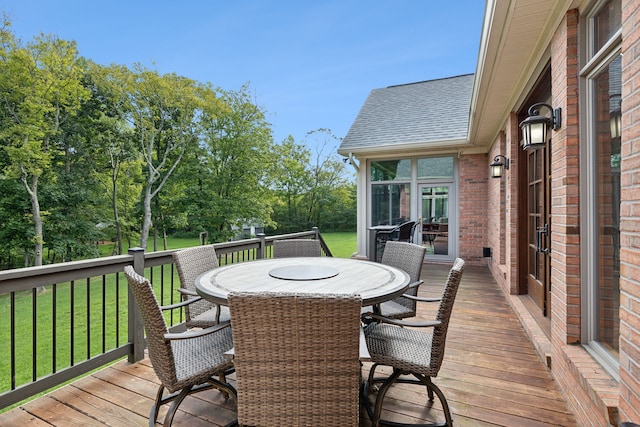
(491, 376)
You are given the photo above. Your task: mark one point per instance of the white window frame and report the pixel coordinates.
(596, 62)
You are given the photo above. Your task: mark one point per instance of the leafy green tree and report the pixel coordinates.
(40, 89)
(290, 180)
(162, 110)
(112, 156)
(311, 189)
(16, 229)
(223, 178)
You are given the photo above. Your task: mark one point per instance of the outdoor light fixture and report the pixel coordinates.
(496, 166)
(616, 124)
(534, 127)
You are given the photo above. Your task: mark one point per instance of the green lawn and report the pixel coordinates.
(341, 245)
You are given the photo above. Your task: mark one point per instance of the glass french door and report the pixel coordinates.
(539, 226)
(436, 212)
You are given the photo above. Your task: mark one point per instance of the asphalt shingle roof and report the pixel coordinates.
(420, 113)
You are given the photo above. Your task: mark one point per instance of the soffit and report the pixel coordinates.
(514, 41)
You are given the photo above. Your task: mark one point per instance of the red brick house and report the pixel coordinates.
(560, 229)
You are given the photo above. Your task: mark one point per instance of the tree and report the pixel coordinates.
(290, 181)
(40, 88)
(110, 148)
(162, 111)
(311, 190)
(223, 180)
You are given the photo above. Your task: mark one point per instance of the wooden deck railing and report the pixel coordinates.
(64, 320)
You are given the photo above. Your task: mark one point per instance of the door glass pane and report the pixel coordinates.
(390, 203)
(607, 96)
(435, 222)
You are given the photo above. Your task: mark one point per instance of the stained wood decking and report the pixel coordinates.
(491, 376)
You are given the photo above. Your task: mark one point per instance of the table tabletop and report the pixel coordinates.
(374, 282)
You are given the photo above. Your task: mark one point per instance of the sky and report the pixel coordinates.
(309, 64)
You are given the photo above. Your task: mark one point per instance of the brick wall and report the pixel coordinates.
(565, 186)
(473, 175)
(629, 398)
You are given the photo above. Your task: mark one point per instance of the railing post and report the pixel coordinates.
(316, 231)
(262, 248)
(136, 326)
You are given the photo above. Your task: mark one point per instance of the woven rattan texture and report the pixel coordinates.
(408, 257)
(416, 350)
(296, 359)
(191, 263)
(296, 248)
(178, 363)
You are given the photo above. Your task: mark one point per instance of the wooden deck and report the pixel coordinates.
(491, 376)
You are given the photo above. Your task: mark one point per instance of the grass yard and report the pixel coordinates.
(341, 245)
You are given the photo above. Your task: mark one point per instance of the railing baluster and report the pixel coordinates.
(104, 313)
(13, 339)
(117, 310)
(88, 333)
(54, 326)
(34, 332)
(72, 323)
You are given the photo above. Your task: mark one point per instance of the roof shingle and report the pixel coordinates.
(415, 113)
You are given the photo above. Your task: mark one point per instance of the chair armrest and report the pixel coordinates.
(179, 304)
(195, 333)
(188, 292)
(416, 284)
(421, 299)
(398, 322)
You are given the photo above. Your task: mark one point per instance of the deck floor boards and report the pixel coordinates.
(491, 376)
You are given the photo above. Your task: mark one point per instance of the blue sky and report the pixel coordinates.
(309, 64)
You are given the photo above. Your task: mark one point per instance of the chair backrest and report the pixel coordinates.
(405, 231)
(190, 263)
(160, 352)
(405, 256)
(444, 313)
(296, 248)
(296, 358)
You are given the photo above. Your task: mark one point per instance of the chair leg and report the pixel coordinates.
(176, 399)
(168, 419)
(429, 389)
(153, 415)
(381, 393)
(372, 372)
(375, 413)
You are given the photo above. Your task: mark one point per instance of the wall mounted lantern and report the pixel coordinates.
(534, 128)
(496, 166)
(616, 124)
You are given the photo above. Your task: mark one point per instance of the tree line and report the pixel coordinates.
(118, 153)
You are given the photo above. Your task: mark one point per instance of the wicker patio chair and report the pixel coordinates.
(296, 248)
(191, 263)
(185, 363)
(411, 351)
(296, 358)
(408, 257)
